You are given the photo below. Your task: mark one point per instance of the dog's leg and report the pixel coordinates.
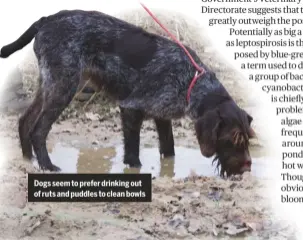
(131, 123)
(25, 121)
(56, 97)
(166, 137)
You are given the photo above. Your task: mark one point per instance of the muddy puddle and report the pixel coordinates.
(110, 160)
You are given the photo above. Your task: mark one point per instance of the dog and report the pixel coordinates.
(148, 76)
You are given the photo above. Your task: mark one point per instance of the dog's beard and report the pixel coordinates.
(223, 167)
(218, 161)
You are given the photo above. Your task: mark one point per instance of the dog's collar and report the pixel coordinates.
(192, 83)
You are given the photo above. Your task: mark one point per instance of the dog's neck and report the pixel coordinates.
(207, 94)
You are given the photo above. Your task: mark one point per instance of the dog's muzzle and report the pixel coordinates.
(246, 167)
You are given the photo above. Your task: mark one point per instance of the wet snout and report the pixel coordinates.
(247, 164)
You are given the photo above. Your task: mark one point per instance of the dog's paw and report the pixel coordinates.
(51, 168)
(28, 156)
(167, 153)
(56, 169)
(133, 163)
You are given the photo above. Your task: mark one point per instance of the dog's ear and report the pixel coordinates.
(207, 128)
(251, 132)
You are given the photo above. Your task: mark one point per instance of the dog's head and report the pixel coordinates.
(225, 132)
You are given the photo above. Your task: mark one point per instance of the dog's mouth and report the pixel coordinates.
(246, 167)
(232, 167)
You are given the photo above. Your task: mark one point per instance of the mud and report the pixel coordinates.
(189, 200)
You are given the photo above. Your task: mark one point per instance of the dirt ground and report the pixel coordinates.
(193, 208)
(196, 207)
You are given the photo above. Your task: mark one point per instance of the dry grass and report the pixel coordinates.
(184, 29)
(30, 72)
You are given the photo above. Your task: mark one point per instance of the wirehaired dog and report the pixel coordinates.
(146, 74)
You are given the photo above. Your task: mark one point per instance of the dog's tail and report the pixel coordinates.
(23, 40)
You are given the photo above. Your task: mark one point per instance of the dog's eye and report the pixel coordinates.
(231, 145)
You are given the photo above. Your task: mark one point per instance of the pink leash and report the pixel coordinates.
(199, 69)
